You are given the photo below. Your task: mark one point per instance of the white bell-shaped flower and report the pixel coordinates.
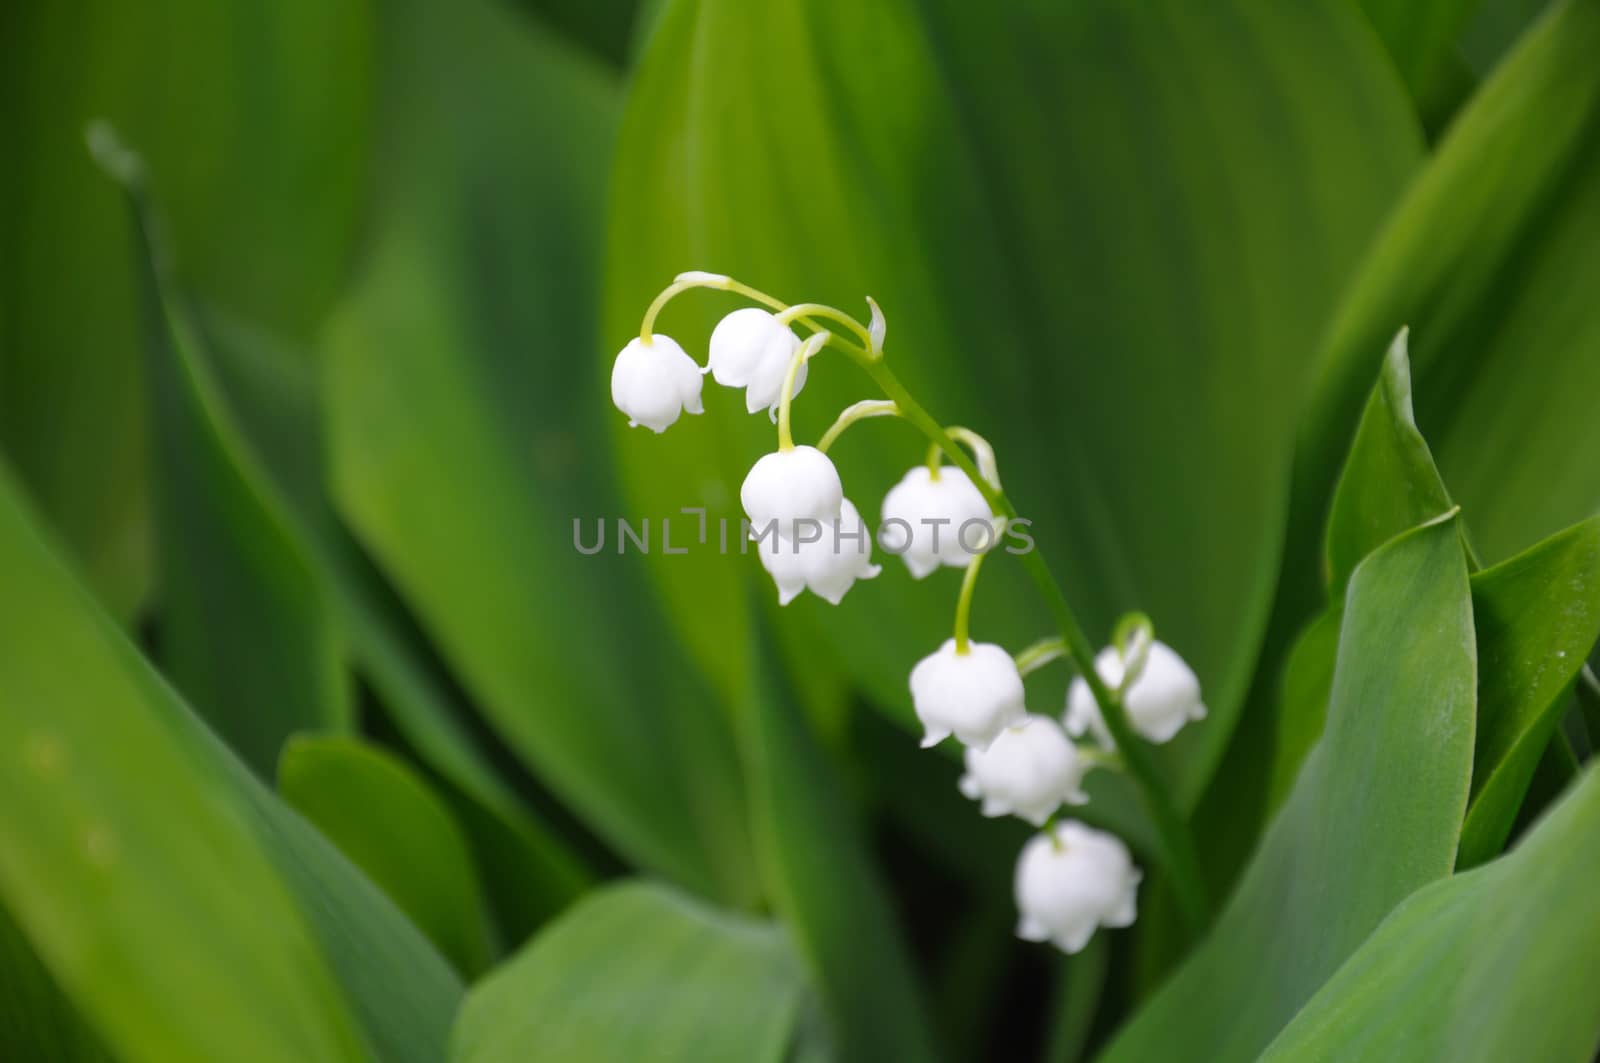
(653, 383)
(787, 487)
(936, 520)
(752, 349)
(1071, 880)
(1164, 695)
(1029, 770)
(826, 560)
(973, 695)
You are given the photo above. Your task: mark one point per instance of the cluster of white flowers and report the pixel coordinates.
(1070, 878)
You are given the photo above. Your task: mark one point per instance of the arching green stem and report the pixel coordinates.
(812, 345)
(801, 314)
(969, 583)
(859, 411)
(1040, 654)
(804, 311)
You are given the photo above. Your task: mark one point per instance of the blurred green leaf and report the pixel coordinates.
(530, 874)
(820, 876)
(1374, 814)
(604, 27)
(1491, 965)
(462, 456)
(37, 1021)
(139, 814)
(1420, 36)
(383, 816)
(253, 117)
(256, 635)
(1538, 616)
(1104, 234)
(1389, 481)
(1082, 982)
(1494, 28)
(636, 972)
(125, 857)
(248, 631)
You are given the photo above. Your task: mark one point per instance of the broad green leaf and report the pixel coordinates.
(261, 586)
(1082, 982)
(634, 972)
(248, 631)
(1420, 36)
(401, 990)
(151, 823)
(1303, 700)
(1538, 616)
(1486, 260)
(1494, 29)
(530, 873)
(1490, 965)
(37, 1021)
(1374, 814)
(383, 816)
(462, 453)
(1389, 481)
(819, 873)
(1105, 235)
(126, 858)
(253, 117)
(604, 27)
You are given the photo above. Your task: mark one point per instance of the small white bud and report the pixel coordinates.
(1028, 771)
(752, 349)
(1072, 880)
(878, 328)
(788, 486)
(931, 522)
(827, 565)
(1164, 695)
(973, 695)
(654, 383)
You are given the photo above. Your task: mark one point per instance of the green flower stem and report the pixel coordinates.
(802, 314)
(860, 411)
(1177, 844)
(812, 345)
(969, 583)
(935, 459)
(1039, 654)
(982, 452)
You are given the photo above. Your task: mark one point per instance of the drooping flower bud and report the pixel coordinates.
(931, 521)
(826, 559)
(1072, 880)
(1164, 694)
(973, 695)
(790, 486)
(1029, 770)
(653, 383)
(752, 349)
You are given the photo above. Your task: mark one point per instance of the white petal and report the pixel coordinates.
(1030, 929)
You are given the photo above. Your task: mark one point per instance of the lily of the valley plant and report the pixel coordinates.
(947, 511)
